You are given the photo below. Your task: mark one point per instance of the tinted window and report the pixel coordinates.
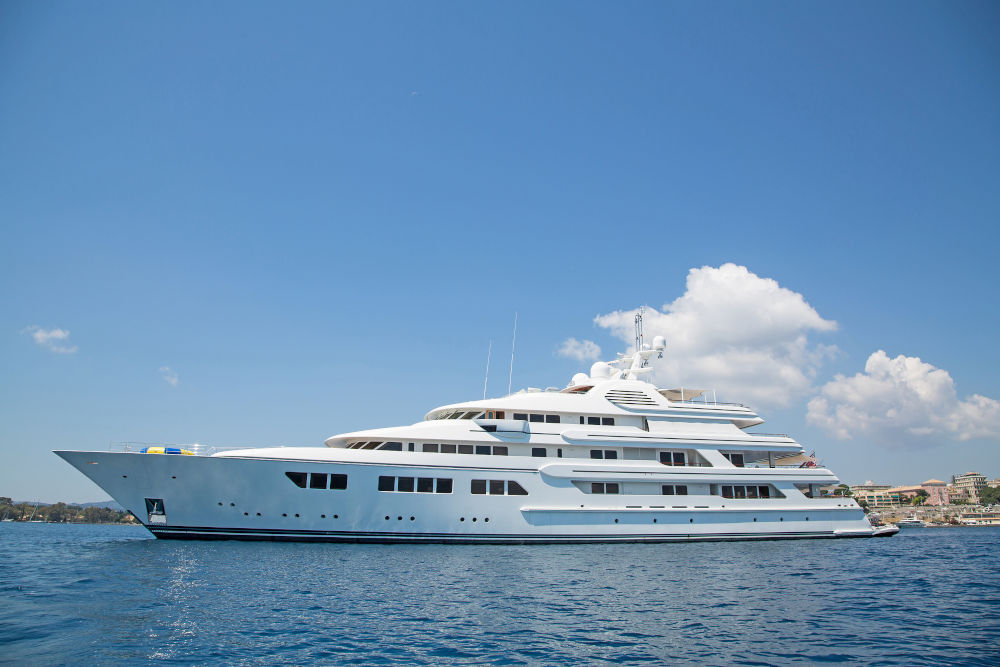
(443, 485)
(581, 419)
(339, 482)
(425, 485)
(298, 477)
(665, 458)
(496, 487)
(479, 486)
(404, 484)
(386, 483)
(447, 449)
(607, 421)
(678, 458)
(668, 490)
(597, 487)
(538, 451)
(611, 487)
(523, 416)
(551, 419)
(430, 447)
(393, 446)
(317, 480)
(681, 489)
(594, 421)
(483, 449)
(610, 454)
(751, 492)
(727, 492)
(596, 454)
(537, 418)
(465, 449)
(740, 491)
(499, 451)
(764, 491)
(515, 489)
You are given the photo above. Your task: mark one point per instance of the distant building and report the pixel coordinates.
(936, 490)
(981, 518)
(995, 483)
(869, 486)
(969, 486)
(877, 498)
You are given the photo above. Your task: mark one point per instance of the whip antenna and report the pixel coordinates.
(486, 381)
(512, 342)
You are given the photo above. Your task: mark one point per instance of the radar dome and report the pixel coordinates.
(579, 380)
(659, 343)
(600, 370)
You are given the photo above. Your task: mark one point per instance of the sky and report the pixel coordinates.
(249, 223)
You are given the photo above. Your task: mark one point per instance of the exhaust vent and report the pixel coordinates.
(629, 398)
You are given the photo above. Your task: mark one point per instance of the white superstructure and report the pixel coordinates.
(608, 458)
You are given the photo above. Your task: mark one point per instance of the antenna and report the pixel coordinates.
(512, 342)
(486, 381)
(638, 328)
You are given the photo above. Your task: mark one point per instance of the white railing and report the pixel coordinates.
(195, 448)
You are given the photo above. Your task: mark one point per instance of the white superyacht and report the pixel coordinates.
(609, 458)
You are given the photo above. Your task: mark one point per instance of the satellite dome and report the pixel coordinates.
(579, 379)
(600, 370)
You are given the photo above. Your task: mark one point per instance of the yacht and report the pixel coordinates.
(608, 458)
(911, 522)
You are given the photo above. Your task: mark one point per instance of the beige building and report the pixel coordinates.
(969, 486)
(935, 490)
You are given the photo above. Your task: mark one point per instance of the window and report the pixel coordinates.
(317, 480)
(735, 459)
(496, 487)
(603, 454)
(594, 421)
(405, 484)
(523, 416)
(674, 490)
(499, 451)
(597, 453)
(430, 447)
(465, 449)
(393, 446)
(582, 419)
(552, 419)
(483, 449)
(672, 458)
(338, 482)
(515, 489)
(299, 478)
(604, 487)
(372, 445)
(537, 418)
(479, 487)
(607, 421)
(748, 491)
(538, 451)
(447, 449)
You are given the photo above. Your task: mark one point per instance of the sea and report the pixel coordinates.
(109, 594)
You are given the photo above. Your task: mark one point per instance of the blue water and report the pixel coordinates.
(72, 594)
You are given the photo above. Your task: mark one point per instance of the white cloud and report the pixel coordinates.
(56, 340)
(733, 331)
(169, 376)
(581, 350)
(902, 401)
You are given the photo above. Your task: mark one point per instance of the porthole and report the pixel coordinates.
(173, 477)
(487, 519)
(283, 514)
(296, 516)
(258, 513)
(616, 520)
(462, 519)
(690, 520)
(473, 519)
(781, 518)
(654, 520)
(399, 518)
(807, 518)
(755, 519)
(220, 504)
(232, 504)
(322, 516)
(124, 476)
(246, 514)
(336, 516)
(413, 518)
(386, 517)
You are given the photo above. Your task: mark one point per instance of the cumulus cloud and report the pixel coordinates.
(169, 375)
(731, 330)
(581, 350)
(56, 340)
(902, 401)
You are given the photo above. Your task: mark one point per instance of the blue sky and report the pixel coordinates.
(318, 215)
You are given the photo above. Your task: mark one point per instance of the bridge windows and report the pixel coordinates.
(603, 454)
(674, 490)
(673, 458)
(496, 487)
(605, 487)
(741, 491)
(318, 480)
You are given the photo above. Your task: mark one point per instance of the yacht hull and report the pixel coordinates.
(234, 498)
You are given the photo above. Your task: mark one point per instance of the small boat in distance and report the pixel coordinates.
(911, 522)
